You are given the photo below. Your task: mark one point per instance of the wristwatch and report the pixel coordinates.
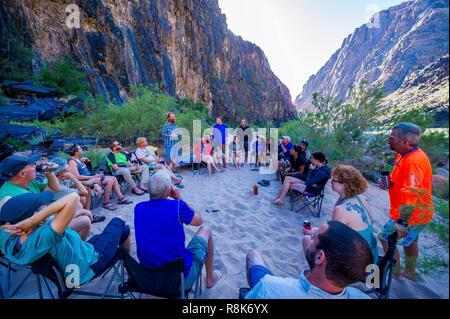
(402, 222)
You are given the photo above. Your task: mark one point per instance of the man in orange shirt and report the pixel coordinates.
(410, 193)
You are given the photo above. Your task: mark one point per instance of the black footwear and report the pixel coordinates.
(98, 219)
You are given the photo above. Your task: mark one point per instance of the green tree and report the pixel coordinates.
(63, 75)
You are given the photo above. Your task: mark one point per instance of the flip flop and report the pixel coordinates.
(98, 219)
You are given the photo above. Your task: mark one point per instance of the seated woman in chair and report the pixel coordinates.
(203, 151)
(146, 155)
(297, 165)
(79, 169)
(318, 174)
(26, 236)
(351, 209)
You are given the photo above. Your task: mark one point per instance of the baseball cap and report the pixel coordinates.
(12, 165)
(21, 207)
(287, 137)
(305, 142)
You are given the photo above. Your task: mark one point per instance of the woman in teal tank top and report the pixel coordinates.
(350, 209)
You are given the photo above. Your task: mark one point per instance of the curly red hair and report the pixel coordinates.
(354, 181)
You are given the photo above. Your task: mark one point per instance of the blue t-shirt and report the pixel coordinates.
(220, 134)
(67, 249)
(159, 232)
(271, 287)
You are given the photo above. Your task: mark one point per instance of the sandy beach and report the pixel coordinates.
(247, 222)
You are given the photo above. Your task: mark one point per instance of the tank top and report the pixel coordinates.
(82, 168)
(368, 233)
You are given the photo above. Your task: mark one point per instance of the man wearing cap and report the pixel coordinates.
(21, 174)
(285, 148)
(160, 236)
(25, 237)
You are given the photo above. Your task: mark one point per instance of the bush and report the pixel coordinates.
(143, 115)
(63, 75)
(337, 128)
(17, 64)
(3, 98)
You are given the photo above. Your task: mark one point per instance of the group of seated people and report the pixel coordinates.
(37, 219)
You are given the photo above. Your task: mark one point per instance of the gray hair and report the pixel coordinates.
(159, 184)
(409, 133)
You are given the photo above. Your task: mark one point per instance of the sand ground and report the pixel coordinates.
(247, 222)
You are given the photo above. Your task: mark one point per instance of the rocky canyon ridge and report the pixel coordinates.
(404, 48)
(183, 46)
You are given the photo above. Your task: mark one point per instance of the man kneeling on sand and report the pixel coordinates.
(337, 257)
(160, 234)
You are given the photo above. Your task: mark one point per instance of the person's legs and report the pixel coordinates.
(116, 187)
(145, 175)
(125, 172)
(411, 255)
(212, 276)
(289, 183)
(115, 234)
(224, 157)
(109, 184)
(256, 268)
(81, 223)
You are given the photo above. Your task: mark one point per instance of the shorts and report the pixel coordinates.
(411, 237)
(257, 273)
(199, 248)
(168, 156)
(63, 191)
(107, 243)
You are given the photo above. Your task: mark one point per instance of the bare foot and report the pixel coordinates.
(217, 275)
(278, 202)
(409, 276)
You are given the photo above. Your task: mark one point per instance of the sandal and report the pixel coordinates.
(125, 201)
(110, 207)
(98, 219)
(138, 193)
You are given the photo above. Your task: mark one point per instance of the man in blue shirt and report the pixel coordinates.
(337, 257)
(160, 237)
(220, 134)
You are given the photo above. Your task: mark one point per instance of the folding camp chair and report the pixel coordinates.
(197, 166)
(46, 269)
(165, 282)
(386, 265)
(10, 269)
(308, 200)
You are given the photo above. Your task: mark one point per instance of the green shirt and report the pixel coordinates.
(119, 158)
(10, 189)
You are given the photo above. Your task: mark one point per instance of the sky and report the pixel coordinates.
(299, 36)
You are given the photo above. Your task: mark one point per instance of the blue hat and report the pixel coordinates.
(12, 165)
(21, 207)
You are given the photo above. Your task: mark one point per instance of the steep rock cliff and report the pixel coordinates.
(406, 39)
(183, 46)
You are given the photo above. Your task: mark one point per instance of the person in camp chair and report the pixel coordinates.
(120, 164)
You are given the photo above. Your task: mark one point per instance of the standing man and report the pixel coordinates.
(220, 134)
(246, 131)
(171, 138)
(410, 193)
